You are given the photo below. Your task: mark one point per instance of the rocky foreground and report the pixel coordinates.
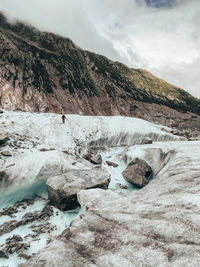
(155, 226)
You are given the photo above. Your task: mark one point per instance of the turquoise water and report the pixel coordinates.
(60, 219)
(116, 155)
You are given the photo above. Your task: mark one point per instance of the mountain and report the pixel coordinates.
(41, 71)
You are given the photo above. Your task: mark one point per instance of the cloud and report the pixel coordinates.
(161, 36)
(160, 3)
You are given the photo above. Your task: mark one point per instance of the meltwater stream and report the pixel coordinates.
(36, 232)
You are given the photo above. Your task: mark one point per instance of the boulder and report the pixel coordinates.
(6, 153)
(137, 172)
(110, 163)
(146, 140)
(63, 189)
(3, 253)
(7, 227)
(3, 137)
(123, 186)
(94, 159)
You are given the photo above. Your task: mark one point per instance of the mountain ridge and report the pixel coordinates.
(44, 72)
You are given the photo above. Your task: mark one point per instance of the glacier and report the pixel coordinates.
(42, 147)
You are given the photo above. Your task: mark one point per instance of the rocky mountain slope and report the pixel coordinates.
(40, 71)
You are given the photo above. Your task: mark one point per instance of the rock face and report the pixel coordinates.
(137, 172)
(3, 137)
(63, 189)
(44, 72)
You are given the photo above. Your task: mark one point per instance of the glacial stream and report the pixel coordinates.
(35, 233)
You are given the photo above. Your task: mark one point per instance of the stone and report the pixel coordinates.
(22, 138)
(23, 255)
(6, 153)
(3, 137)
(8, 227)
(137, 172)
(176, 132)
(87, 156)
(3, 253)
(123, 186)
(15, 244)
(146, 140)
(18, 238)
(29, 217)
(1, 111)
(63, 189)
(30, 202)
(110, 163)
(94, 159)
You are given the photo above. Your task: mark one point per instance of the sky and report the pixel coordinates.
(161, 36)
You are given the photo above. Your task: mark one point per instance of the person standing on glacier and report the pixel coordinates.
(63, 118)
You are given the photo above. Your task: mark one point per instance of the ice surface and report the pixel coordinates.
(46, 130)
(43, 147)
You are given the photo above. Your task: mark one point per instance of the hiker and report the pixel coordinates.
(63, 118)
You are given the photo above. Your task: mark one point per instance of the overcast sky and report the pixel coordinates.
(161, 36)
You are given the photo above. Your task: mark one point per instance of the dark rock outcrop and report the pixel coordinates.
(63, 189)
(3, 253)
(3, 136)
(137, 172)
(29, 217)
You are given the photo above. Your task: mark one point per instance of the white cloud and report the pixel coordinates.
(164, 41)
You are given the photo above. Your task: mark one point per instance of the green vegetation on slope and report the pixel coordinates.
(143, 85)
